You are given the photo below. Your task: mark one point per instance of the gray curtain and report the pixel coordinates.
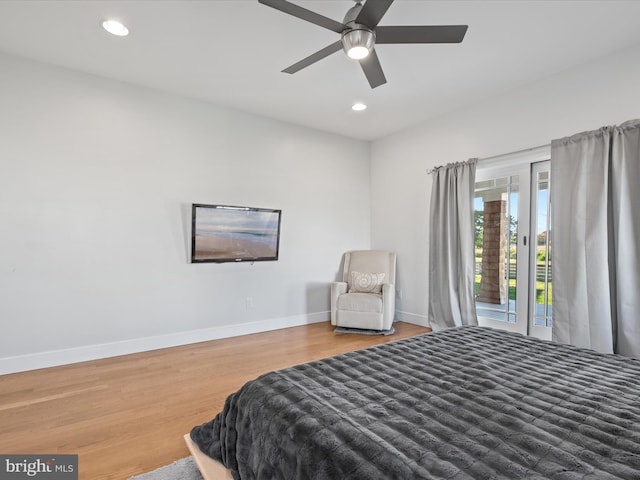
(595, 190)
(451, 243)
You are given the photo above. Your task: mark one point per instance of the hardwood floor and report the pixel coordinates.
(127, 415)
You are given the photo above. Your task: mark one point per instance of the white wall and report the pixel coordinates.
(96, 182)
(585, 98)
(97, 178)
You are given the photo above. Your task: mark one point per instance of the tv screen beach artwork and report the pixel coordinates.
(233, 234)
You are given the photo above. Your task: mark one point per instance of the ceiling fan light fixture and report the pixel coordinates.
(358, 53)
(358, 43)
(358, 32)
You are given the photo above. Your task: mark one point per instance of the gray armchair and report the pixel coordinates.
(366, 296)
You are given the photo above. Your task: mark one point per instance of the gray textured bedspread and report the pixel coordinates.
(465, 403)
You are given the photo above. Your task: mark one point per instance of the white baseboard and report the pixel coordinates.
(414, 318)
(22, 363)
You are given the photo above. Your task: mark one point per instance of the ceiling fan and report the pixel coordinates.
(360, 33)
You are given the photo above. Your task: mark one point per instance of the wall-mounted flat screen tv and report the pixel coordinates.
(223, 233)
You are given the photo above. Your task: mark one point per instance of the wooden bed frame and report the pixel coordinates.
(209, 468)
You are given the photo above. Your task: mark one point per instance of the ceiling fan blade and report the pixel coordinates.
(372, 12)
(304, 14)
(319, 55)
(421, 34)
(373, 70)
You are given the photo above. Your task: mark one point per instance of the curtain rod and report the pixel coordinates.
(502, 155)
(524, 150)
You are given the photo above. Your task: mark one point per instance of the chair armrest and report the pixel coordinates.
(388, 304)
(337, 289)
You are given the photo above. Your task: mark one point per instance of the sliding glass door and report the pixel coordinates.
(513, 273)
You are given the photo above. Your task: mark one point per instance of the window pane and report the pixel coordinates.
(496, 233)
(543, 273)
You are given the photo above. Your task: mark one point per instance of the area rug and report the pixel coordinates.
(183, 469)
(363, 331)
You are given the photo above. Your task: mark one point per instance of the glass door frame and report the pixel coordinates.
(521, 163)
(542, 332)
(522, 248)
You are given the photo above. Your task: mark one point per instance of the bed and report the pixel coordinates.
(464, 403)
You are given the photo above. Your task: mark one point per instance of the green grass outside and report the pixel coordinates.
(512, 290)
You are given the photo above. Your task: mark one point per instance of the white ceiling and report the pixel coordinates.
(231, 52)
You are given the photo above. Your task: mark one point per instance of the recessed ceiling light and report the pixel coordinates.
(358, 107)
(115, 28)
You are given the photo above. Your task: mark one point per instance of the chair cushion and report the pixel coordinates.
(360, 302)
(366, 282)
